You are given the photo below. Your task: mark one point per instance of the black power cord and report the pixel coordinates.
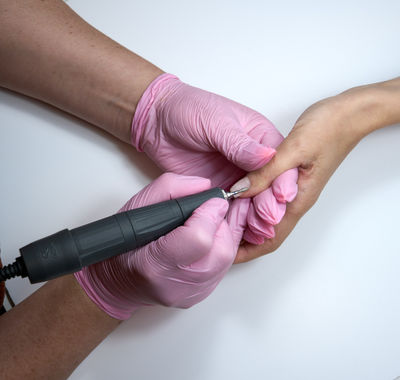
(17, 268)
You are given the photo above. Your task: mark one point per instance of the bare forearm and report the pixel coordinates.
(48, 52)
(371, 107)
(51, 332)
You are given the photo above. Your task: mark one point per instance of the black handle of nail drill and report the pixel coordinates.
(68, 251)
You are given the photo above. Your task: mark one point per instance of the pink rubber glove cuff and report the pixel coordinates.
(112, 306)
(142, 114)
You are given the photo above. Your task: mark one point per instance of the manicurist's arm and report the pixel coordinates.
(48, 334)
(50, 53)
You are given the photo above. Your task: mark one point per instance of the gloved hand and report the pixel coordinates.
(189, 131)
(179, 269)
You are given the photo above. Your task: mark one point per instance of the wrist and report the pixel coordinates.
(371, 107)
(101, 287)
(85, 304)
(146, 111)
(125, 103)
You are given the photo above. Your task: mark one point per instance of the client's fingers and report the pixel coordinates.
(261, 179)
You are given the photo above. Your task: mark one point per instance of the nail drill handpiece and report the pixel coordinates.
(67, 251)
(232, 194)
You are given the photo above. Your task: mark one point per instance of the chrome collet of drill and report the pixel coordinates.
(232, 194)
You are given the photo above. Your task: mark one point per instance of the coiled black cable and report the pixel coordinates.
(17, 268)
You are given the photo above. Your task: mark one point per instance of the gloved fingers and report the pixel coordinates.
(190, 242)
(262, 130)
(258, 225)
(185, 285)
(249, 252)
(268, 208)
(264, 212)
(237, 219)
(252, 238)
(238, 147)
(165, 187)
(217, 261)
(193, 299)
(285, 185)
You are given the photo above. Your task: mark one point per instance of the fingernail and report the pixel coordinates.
(244, 182)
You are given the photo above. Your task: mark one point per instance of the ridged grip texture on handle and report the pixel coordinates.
(68, 251)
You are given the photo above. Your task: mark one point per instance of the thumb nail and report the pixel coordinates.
(242, 183)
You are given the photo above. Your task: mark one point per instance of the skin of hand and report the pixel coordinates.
(190, 131)
(320, 140)
(179, 269)
(49, 333)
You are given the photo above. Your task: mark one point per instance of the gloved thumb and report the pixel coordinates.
(241, 149)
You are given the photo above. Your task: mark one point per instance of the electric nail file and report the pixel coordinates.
(67, 251)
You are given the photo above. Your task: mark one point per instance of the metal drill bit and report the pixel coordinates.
(231, 194)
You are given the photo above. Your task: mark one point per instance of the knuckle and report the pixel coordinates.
(168, 301)
(166, 181)
(167, 298)
(225, 256)
(299, 146)
(202, 241)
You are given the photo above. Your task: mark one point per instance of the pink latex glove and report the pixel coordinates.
(179, 269)
(189, 131)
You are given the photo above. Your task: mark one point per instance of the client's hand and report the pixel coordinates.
(179, 269)
(321, 138)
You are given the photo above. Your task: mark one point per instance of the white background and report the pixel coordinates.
(326, 305)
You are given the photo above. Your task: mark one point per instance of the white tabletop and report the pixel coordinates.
(326, 305)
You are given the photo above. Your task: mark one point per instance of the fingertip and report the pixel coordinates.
(266, 153)
(252, 237)
(259, 226)
(268, 207)
(290, 194)
(253, 155)
(285, 186)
